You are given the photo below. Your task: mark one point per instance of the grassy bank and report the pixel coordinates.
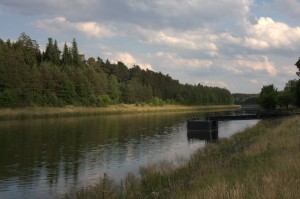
(45, 112)
(262, 162)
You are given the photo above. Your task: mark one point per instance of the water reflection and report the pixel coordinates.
(42, 158)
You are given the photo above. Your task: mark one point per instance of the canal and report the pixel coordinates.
(43, 158)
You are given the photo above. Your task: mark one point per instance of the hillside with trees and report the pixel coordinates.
(55, 77)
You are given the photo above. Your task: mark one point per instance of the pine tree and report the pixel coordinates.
(66, 56)
(75, 54)
(56, 54)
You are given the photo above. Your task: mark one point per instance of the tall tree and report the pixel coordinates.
(28, 49)
(114, 89)
(66, 56)
(268, 97)
(52, 52)
(76, 60)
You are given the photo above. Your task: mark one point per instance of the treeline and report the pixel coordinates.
(270, 98)
(245, 99)
(29, 77)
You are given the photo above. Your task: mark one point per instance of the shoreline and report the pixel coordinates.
(259, 162)
(72, 111)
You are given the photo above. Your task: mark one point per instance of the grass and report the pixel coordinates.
(47, 112)
(261, 162)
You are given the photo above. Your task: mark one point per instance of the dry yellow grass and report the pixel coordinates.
(37, 112)
(268, 166)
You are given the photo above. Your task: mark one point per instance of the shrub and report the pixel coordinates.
(103, 100)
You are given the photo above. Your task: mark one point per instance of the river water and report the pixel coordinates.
(43, 158)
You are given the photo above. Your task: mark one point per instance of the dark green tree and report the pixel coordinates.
(297, 93)
(114, 89)
(52, 52)
(268, 97)
(298, 66)
(76, 60)
(27, 50)
(66, 56)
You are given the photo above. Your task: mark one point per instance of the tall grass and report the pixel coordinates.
(261, 162)
(71, 111)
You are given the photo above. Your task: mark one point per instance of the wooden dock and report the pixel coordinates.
(207, 128)
(246, 116)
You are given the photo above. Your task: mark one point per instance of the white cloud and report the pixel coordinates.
(198, 40)
(243, 64)
(213, 83)
(61, 24)
(254, 81)
(289, 70)
(129, 60)
(174, 61)
(268, 34)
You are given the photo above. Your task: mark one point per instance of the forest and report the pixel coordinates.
(59, 77)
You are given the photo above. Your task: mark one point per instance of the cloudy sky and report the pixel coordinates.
(240, 45)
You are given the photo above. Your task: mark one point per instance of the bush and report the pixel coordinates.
(155, 101)
(8, 98)
(103, 100)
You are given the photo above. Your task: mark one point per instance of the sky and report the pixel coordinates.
(240, 45)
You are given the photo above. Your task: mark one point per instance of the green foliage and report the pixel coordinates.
(245, 99)
(155, 101)
(114, 90)
(297, 94)
(298, 66)
(52, 53)
(66, 56)
(8, 98)
(76, 60)
(268, 97)
(284, 98)
(103, 100)
(31, 78)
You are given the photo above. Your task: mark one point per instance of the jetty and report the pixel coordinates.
(207, 128)
(246, 115)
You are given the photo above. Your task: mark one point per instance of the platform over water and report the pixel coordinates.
(247, 116)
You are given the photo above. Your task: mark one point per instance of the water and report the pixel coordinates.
(44, 158)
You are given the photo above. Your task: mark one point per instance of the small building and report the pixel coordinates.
(202, 129)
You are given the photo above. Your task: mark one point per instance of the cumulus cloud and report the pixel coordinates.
(61, 24)
(268, 34)
(198, 40)
(129, 60)
(247, 64)
(174, 61)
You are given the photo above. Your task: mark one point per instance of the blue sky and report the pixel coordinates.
(240, 45)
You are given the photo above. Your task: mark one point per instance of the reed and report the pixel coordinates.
(261, 162)
(72, 111)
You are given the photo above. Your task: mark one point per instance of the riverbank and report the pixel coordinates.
(70, 111)
(261, 162)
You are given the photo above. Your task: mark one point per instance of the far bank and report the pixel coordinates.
(72, 111)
